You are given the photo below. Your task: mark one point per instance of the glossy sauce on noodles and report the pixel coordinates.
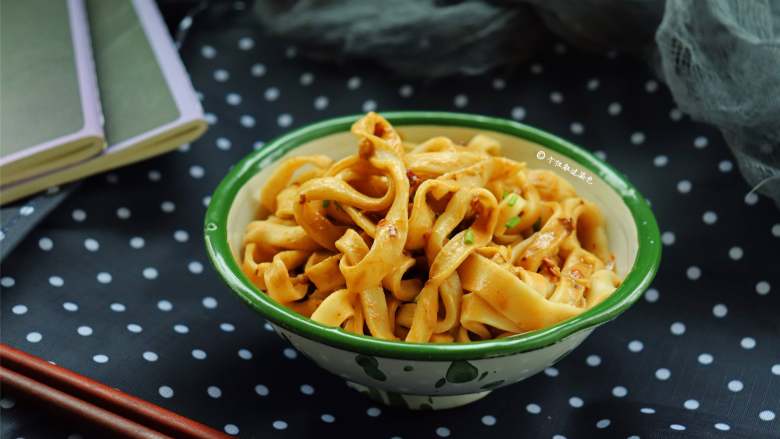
(429, 242)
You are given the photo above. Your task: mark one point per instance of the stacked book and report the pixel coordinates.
(87, 86)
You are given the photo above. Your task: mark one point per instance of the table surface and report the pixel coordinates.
(115, 283)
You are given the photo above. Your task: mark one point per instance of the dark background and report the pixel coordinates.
(162, 202)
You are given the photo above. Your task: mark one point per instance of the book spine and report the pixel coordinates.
(169, 60)
(85, 65)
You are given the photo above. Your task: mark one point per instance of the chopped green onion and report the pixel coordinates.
(468, 238)
(538, 225)
(505, 194)
(325, 203)
(515, 220)
(512, 200)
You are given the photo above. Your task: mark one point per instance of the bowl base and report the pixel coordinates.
(417, 402)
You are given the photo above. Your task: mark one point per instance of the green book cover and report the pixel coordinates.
(49, 108)
(148, 102)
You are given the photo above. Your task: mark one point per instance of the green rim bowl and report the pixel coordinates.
(636, 281)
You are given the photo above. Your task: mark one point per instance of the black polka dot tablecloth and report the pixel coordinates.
(115, 283)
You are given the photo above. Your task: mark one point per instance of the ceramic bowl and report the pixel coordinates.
(438, 376)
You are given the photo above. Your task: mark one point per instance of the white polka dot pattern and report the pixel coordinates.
(116, 283)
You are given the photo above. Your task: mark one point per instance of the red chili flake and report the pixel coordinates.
(566, 224)
(379, 128)
(414, 182)
(477, 207)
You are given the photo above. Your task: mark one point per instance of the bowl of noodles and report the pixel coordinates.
(428, 257)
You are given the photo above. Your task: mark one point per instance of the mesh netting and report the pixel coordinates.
(720, 58)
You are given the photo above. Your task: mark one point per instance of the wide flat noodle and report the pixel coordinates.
(436, 242)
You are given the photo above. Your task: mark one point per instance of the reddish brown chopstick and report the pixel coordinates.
(95, 402)
(74, 406)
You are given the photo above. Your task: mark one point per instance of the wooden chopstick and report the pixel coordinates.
(73, 406)
(95, 402)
